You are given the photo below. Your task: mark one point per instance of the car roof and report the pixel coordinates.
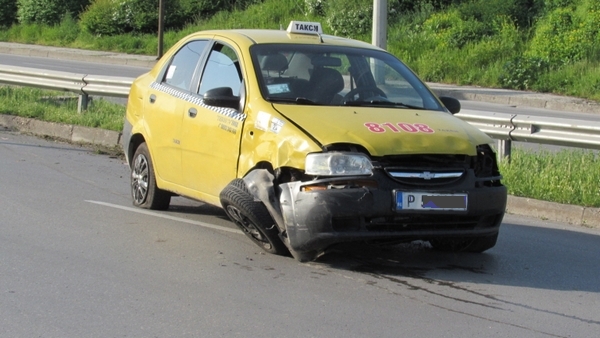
(265, 36)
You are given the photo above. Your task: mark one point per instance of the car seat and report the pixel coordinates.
(276, 63)
(325, 84)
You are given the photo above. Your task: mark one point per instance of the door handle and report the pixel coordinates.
(152, 98)
(192, 112)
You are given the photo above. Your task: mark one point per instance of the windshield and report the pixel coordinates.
(336, 76)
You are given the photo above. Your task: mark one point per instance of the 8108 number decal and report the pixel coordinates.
(398, 127)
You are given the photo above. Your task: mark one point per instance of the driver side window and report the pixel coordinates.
(222, 70)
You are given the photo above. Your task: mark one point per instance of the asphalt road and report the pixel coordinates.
(77, 260)
(71, 66)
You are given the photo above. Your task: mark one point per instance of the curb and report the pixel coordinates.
(565, 213)
(69, 133)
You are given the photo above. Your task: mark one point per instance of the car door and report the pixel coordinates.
(166, 102)
(210, 139)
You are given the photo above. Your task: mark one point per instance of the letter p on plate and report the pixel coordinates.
(410, 199)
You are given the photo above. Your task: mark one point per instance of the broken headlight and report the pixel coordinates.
(338, 164)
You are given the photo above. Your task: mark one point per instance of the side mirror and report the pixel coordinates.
(452, 104)
(221, 97)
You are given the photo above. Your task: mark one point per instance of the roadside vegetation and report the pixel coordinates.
(566, 176)
(540, 45)
(60, 107)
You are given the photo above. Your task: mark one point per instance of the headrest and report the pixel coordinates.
(327, 79)
(275, 62)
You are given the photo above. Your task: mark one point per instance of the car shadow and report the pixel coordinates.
(202, 209)
(525, 256)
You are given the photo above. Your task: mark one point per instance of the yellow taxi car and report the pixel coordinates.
(307, 140)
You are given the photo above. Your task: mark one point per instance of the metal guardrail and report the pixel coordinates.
(534, 129)
(503, 127)
(82, 84)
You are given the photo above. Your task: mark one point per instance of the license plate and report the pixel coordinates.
(430, 201)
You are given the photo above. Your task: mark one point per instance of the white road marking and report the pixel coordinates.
(178, 219)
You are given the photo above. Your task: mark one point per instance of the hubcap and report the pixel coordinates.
(139, 179)
(247, 226)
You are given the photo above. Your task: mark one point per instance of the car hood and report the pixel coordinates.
(387, 131)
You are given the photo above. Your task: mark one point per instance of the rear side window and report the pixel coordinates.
(181, 69)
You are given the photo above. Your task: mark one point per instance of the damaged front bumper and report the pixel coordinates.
(314, 220)
(359, 209)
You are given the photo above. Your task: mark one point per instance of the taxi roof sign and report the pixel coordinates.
(305, 27)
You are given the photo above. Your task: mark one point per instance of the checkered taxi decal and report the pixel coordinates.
(197, 100)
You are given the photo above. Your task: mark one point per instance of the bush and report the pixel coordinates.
(522, 72)
(110, 17)
(550, 5)
(563, 37)
(452, 31)
(349, 18)
(581, 79)
(552, 38)
(521, 12)
(191, 10)
(100, 19)
(314, 7)
(353, 18)
(8, 15)
(48, 12)
(64, 33)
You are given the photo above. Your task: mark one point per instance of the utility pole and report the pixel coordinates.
(379, 37)
(161, 27)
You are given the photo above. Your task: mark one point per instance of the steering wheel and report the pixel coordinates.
(364, 92)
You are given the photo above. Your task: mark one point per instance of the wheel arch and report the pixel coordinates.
(134, 143)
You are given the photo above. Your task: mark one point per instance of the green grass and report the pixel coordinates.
(61, 107)
(567, 176)
(426, 50)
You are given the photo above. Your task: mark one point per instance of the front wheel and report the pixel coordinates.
(252, 217)
(468, 244)
(144, 191)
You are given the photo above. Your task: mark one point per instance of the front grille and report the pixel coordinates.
(424, 176)
(425, 170)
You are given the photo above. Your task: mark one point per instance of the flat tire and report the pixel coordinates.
(252, 217)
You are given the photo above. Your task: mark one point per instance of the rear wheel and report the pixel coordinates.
(468, 244)
(144, 191)
(252, 217)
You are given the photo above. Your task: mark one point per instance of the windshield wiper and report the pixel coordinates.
(297, 100)
(380, 103)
